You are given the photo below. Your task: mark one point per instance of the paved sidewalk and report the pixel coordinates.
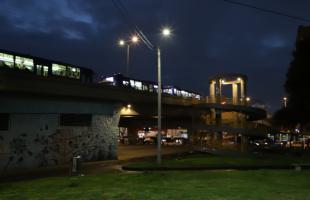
(126, 153)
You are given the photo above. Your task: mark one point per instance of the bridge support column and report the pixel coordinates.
(132, 134)
(235, 92)
(212, 91)
(243, 92)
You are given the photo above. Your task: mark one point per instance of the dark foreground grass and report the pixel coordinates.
(204, 185)
(212, 161)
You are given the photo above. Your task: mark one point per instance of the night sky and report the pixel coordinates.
(210, 37)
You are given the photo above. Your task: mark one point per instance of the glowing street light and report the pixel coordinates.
(121, 42)
(134, 39)
(166, 32)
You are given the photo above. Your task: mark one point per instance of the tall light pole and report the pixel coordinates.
(166, 32)
(134, 39)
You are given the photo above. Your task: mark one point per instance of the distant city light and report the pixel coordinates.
(248, 99)
(128, 106)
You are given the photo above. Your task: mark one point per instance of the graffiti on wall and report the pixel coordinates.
(97, 142)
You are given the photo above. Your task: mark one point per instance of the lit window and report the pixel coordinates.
(42, 70)
(6, 60)
(39, 69)
(45, 71)
(184, 93)
(151, 88)
(132, 83)
(145, 88)
(73, 72)
(126, 83)
(59, 70)
(110, 79)
(138, 85)
(168, 91)
(24, 63)
(156, 88)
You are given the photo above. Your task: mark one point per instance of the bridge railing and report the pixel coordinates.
(225, 100)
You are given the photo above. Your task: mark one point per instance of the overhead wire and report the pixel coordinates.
(268, 10)
(125, 14)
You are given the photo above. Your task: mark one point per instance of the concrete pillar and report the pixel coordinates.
(242, 89)
(132, 135)
(235, 93)
(212, 91)
(218, 91)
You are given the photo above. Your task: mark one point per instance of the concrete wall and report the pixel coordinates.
(35, 137)
(36, 140)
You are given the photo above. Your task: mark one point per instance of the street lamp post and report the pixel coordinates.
(159, 106)
(165, 33)
(133, 40)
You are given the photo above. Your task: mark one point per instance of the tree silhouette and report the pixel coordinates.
(297, 84)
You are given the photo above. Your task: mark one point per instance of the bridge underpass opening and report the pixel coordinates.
(143, 130)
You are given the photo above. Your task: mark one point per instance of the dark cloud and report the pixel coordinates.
(210, 37)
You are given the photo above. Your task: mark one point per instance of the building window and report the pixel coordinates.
(24, 63)
(74, 72)
(75, 120)
(4, 122)
(59, 70)
(6, 60)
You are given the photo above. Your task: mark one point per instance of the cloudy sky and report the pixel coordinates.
(210, 37)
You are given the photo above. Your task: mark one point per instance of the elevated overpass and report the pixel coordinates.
(143, 103)
(193, 114)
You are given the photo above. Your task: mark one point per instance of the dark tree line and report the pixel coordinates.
(297, 87)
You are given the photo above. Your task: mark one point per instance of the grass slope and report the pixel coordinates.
(204, 185)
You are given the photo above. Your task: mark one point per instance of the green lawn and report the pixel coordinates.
(207, 160)
(214, 185)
